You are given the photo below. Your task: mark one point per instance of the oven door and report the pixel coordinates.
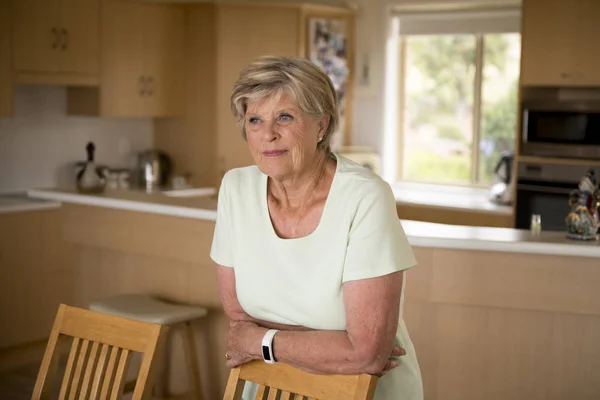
(548, 199)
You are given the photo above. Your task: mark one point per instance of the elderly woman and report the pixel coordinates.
(310, 252)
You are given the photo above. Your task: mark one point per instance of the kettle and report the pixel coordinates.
(154, 170)
(503, 184)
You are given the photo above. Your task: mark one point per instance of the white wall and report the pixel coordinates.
(40, 144)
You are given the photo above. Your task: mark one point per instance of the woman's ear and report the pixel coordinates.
(324, 124)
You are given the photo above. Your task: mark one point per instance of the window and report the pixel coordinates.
(458, 105)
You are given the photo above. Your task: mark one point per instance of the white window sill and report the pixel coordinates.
(449, 197)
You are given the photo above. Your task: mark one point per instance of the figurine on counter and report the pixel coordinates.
(583, 222)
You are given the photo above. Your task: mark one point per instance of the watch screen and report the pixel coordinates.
(266, 356)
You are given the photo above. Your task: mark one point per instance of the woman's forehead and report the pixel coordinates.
(272, 102)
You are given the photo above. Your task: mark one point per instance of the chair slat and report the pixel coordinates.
(81, 358)
(66, 383)
(235, 385)
(109, 374)
(261, 393)
(285, 395)
(89, 369)
(117, 388)
(100, 369)
(273, 393)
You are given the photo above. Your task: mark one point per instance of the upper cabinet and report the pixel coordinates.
(142, 62)
(56, 41)
(6, 86)
(559, 43)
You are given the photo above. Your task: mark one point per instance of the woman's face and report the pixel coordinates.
(282, 138)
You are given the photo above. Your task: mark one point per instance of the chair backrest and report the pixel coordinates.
(98, 361)
(282, 381)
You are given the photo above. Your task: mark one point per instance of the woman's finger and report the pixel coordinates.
(398, 351)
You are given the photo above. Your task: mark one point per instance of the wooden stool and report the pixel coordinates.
(146, 308)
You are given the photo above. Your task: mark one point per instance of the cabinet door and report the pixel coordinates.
(80, 30)
(548, 52)
(122, 60)
(36, 35)
(164, 38)
(586, 45)
(6, 87)
(245, 33)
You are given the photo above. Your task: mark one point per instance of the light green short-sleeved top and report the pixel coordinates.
(300, 281)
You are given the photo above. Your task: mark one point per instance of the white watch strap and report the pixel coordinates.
(267, 346)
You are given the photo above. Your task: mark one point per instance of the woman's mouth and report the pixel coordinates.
(274, 153)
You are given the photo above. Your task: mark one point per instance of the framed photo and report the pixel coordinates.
(328, 47)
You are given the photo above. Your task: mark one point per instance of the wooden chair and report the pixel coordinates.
(99, 357)
(281, 381)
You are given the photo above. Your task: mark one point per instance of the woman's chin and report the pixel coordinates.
(274, 169)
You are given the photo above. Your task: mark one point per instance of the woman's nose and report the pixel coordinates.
(270, 132)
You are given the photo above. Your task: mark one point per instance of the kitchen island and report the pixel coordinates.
(494, 313)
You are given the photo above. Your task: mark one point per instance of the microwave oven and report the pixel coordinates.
(561, 129)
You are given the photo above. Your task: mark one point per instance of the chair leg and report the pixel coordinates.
(192, 356)
(161, 385)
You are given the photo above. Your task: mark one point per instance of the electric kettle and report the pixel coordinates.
(154, 170)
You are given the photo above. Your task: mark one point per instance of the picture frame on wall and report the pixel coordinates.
(329, 44)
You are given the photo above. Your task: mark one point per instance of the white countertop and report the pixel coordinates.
(19, 202)
(420, 234)
(449, 197)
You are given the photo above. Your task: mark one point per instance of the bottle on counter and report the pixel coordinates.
(88, 179)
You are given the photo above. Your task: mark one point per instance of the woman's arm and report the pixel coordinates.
(372, 311)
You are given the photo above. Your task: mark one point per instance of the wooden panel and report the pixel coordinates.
(244, 33)
(453, 216)
(191, 140)
(36, 271)
(122, 59)
(587, 48)
(513, 280)
(6, 78)
(177, 238)
(36, 35)
(548, 46)
(164, 33)
(80, 20)
(489, 353)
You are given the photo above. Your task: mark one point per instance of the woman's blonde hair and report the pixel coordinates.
(310, 87)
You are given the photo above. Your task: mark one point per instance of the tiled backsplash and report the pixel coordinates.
(40, 144)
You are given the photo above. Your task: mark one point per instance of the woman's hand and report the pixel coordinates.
(393, 361)
(240, 339)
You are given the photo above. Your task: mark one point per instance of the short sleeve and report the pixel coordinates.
(377, 244)
(221, 251)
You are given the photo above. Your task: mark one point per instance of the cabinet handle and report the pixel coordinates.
(142, 85)
(565, 75)
(56, 40)
(65, 35)
(150, 85)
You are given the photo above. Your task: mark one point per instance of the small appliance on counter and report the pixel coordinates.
(89, 180)
(501, 191)
(154, 170)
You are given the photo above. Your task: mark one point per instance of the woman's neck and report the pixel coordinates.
(297, 191)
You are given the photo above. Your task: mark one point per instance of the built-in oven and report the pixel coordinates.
(544, 189)
(564, 129)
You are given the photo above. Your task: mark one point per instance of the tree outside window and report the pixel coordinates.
(459, 106)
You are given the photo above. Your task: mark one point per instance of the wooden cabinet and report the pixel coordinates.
(142, 63)
(6, 84)
(559, 43)
(57, 41)
(36, 274)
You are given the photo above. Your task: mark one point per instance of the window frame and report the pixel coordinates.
(477, 108)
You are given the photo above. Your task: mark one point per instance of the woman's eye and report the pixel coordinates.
(253, 120)
(286, 117)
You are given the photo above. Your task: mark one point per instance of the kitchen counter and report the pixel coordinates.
(420, 234)
(448, 197)
(20, 202)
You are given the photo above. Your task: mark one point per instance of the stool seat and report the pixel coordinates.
(146, 308)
